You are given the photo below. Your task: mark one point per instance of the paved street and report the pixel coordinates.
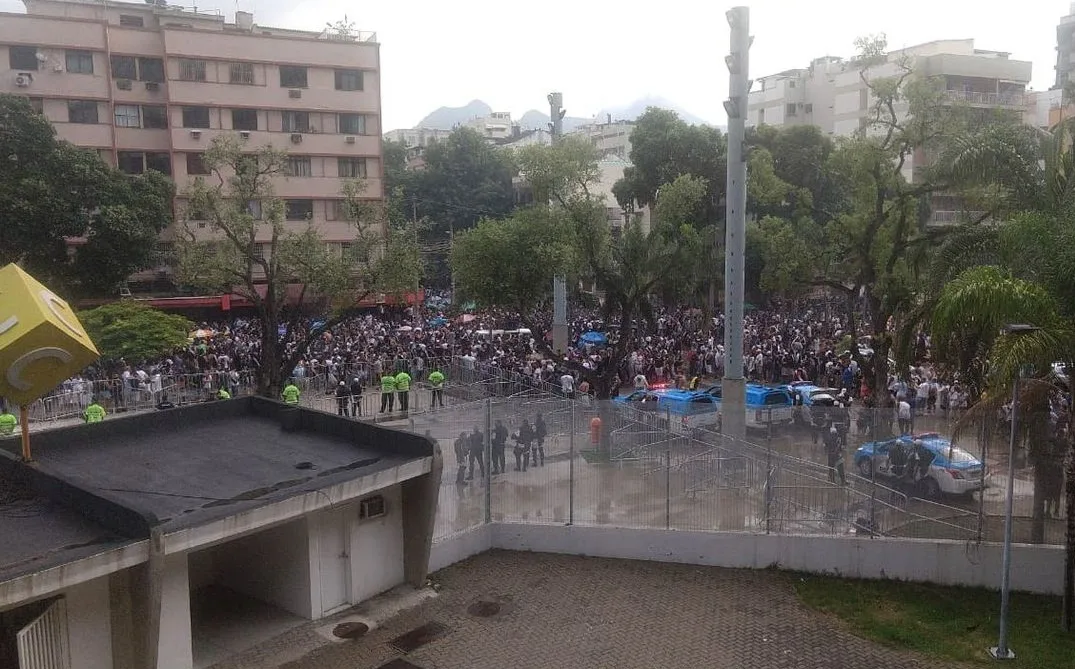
(566, 611)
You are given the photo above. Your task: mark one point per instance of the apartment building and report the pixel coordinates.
(612, 139)
(149, 86)
(832, 95)
(1065, 49)
(417, 137)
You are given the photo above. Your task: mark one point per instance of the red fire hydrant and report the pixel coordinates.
(595, 431)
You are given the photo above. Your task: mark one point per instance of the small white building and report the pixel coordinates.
(135, 542)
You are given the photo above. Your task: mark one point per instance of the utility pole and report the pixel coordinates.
(418, 250)
(734, 386)
(559, 283)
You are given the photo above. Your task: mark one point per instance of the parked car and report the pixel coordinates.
(952, 470)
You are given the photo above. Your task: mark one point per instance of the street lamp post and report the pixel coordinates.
(1002, 651)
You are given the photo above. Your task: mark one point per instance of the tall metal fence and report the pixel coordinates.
(605, 463)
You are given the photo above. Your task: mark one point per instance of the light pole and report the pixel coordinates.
(1002, 651)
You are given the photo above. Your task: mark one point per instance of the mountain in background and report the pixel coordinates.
(446, 118)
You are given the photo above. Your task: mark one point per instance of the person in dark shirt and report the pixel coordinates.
(500, 442)
(343, 395)
(539, 440)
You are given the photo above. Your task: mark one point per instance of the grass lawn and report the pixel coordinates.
(958, 624)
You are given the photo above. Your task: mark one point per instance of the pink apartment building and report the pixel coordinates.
(148, 86)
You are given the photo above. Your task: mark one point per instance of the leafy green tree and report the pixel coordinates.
(55, 196)
(664, 147)
(134, 331)
(285, 269)
(396, 175)
(790, 162)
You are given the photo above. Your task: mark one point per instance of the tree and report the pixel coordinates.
(284, 268)
(133, 331)
(664, 147)
(55, 196)
(790, 161)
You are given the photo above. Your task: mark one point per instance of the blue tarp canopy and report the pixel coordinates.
(594, 338)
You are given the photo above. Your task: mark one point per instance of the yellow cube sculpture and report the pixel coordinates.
(41, 341)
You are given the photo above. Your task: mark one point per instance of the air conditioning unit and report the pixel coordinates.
(294, 93)
(296, 138)
(123, 84)
(195, 134)
(24, 79)
(152, 86)
(350, 139)
(244, 134)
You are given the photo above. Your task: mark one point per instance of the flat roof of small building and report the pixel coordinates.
(110, 483)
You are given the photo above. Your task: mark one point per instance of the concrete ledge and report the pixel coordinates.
(1036, 569)
(459, 547)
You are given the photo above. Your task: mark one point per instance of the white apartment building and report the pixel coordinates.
(832, 95)
(495, 126)
(417, 137)
(612, 139)
(1065, 49)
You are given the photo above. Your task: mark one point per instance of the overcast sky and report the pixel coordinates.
(606, 54)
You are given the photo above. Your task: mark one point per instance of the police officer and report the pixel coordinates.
(403, 389)
(500, 443)
(835, 455)
(7, 423)
(223, 394)
(522, 446)
(343, 396)
(462, 452)
(291, 393)
(436, 381)
(539, 440)
(356, 397)
(388, 386)
(94, 413)
(477, 452)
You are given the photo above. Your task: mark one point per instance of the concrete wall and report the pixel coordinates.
(1034, 568)
(89, 626)
(175, 649)
(377, 549)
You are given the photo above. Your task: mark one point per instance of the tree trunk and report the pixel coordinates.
(1069, 538)
(1037, 521)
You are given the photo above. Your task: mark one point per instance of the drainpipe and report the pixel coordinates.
(111, 94)
(155, 594)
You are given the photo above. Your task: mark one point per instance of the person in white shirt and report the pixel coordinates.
(567, 385)
(640, 382)
(903, 416)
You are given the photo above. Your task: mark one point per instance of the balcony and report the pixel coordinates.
(986, 99)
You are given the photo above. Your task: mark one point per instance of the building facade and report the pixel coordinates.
(417, 137)
(149, 86)
(1065, 49)
(612, 139)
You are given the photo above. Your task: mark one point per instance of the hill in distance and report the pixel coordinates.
(446, 118)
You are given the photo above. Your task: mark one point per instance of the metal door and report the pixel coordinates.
(334, 548)
(43, 644)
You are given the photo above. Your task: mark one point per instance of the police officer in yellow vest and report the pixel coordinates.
(7, 423)
(94, 413)
(223, 394)
(291, 393)
(403, 389)
(436, 380)
(388, 386)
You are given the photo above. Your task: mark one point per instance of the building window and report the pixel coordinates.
(241, 73)
(22, 57)
(259, 251)
(808, 108)
(299, 210)
(191, 70)
(352, 167)
(151, 69)
(791, 84)
(295, 121)
(195, 117)
(298, 166)
(79, 62)
(292, 77)
(131, 21)
(127, 116)
(132, 162)
(38, 105)
(196, 164)
(82, 111)
(161, 162)
(124, 67)
(348, 80)
(154, 117)
(352, 124)
(789, 109)
(371, 507)
(253, 208)
(244, 119)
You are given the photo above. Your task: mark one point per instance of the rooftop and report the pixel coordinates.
(111, 482)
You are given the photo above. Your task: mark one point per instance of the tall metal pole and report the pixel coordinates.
(734, 385)
(1002, 652)
(559, 283)
(417, 279)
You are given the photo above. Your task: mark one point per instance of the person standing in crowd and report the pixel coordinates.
(903, 416)
(388, 388)
(356, 397)
(7, 423)
(291, 393)
(499, 445)
(403, 389)
(523, 440)
(539, 440)
(835, 453)
(567, 385)
(477, 452)
(343, 396)
(94, 413)
(436, 382)
(462, 453)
